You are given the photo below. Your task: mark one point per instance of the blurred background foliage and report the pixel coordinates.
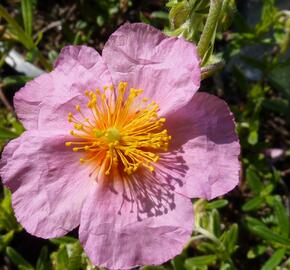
(249, 46)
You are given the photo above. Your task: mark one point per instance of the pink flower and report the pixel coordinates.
(118, 144)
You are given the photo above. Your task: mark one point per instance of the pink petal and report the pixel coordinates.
(204, 138)
(29, 99)
(43, 102)
(167, 68)
(119, 233)
(48, 183)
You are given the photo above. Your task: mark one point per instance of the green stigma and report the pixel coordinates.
(113, 134)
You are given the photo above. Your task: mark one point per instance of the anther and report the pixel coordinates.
(117, 132)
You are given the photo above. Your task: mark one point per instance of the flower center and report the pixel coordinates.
(118, 130)
(112, 134)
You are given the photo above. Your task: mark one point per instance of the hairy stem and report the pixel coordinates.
(210, 27)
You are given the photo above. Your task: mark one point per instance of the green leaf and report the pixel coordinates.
(159, 15)
(282, 217)
(63, 240)
(253, 204)
(6, 134)
(178, 261)
(253, 137)
(274, 260)
(15, 80)
(22, 267)
(227, 266)
(75, 257)
(214, 223)
(143, 18)
(268, 235)
(267, 190)
(62, 259)
(268, 16)
(230, 237)
(7, 219)
(278, 106)
(5, 240)
(17, 259)
(17, 30)
(253, 180)
(207, 247)
(200, 261)
(26, 8)
(256, 251)
(43, 262)
(216, 204)
(254, 222)
(280, 79)
(6, 201)
(178, 14)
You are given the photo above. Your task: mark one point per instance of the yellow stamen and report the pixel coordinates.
(122, 131)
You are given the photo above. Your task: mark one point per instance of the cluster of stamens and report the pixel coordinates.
(118, 129)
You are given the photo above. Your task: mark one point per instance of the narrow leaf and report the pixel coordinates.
(43, 262)
(17, 259)
(253, 181)
(253, 204)
(230, 238)
(17, 30)
(200, 261)
(26, 8)
(267, 234)
(281, 214)
(6, 134)
(75, 257)
(274, 260)
(63, 240)
(5, 240)
(216, 204)
(256, 251)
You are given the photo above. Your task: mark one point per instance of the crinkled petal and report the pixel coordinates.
(43, 102)
(204, 138)
(117, 234)
(48, 183)
(166, 68)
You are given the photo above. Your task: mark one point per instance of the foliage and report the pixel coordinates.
(249, 228)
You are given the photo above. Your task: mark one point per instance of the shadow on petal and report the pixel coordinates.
(148, 194)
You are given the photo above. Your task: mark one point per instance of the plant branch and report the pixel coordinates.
(210, 27)
(209, 70)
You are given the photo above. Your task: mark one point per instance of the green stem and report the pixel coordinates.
(209, 70)
(217, 241)
(208, 235)
(210, 27)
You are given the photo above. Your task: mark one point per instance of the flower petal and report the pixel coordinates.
(167, 68)
(203, 133)
(48, 183)
(114, 235)
(42, 102)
